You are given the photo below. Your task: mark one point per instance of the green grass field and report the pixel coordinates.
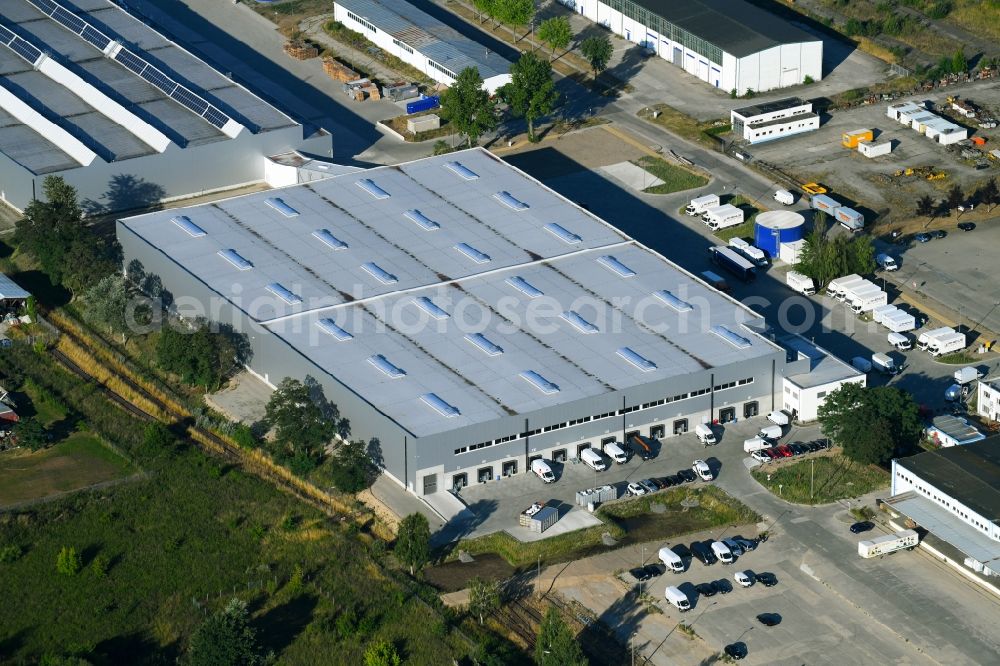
(46, 408)
(675, 178)
(835, 477)
(77, 462)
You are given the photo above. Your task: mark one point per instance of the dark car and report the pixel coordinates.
(663, 482)
(798, 448)
(815, 445)
(736, 651)
(723, 586)
(687, 474)
(703, 553)
(645, 573)
(649, 485)
(922, 237)
(706, 589)
(767, 579)
(966, 226)
(676, 479)
(863, 526)
(940, 233)
(769, 619)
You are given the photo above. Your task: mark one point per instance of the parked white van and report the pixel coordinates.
(755, 444)
(702, 469)
(671, 560)
(678, 599)
(779, 418)
(616, 452)
(593, 459)
(705, 434)
(722, 552)
(771, 432)
(542, 470)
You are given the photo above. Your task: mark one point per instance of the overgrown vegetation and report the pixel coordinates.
(706, 132)
(826, 257)
(675, 178)
(821, 480)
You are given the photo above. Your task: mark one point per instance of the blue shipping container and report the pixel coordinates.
(423, 104)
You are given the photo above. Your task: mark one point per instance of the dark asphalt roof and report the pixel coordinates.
(769, 107)
(735, 26)
(970, 473)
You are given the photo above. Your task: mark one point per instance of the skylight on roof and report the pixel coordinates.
(387, 368)
(473, 253)
(234, 258)
(428, 306)
(539, 382)
(185, 223)
(507, 199)
(562, 233)
(369, 186)
(636, 359)
(523, 286)
(462, 170)
(328, 239)
(579, 322)
(383, 276)
(279, 205)
(673, 301)
(328, 326)
(439, 405)
(735, 339)
(618, 267)
(425, 223)
(484, 344)
(284, 294)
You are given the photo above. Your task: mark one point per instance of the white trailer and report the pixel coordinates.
(699, 204)
(836, 285)
(754, 254)
(946, 344)
(884, 363)
(898, 323)
(900, 341)
(853, 289)
(967, 375)
(889, 543)
(800, 283)
(881, 312)
(847, 288)
(866, 301)
(925, 338)
(723, 217)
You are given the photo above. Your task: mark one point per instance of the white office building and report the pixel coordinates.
(773, 120)
(811, 374)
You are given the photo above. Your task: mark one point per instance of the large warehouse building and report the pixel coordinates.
(464, 314)
(92, 94)
(730, 44)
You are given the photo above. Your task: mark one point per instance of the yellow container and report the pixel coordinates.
(851, 139)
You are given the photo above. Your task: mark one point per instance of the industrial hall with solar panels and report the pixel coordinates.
(464, 314)
(94, 95)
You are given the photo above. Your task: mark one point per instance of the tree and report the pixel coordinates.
(556, 32)
(382, 653)
(484, 597)
(597, 50)
(30, 434)
(199, 356)
(468, 106)
(531, 92)
(352, 467)
(824, 258)
(107, 304)
(68, 561)
(871, 423)
(485, 7)
(989, 194)
(413, 541)
(303, 423)
(225, 639)
(959, 63)
(955, 197)
(100, 566)
(556, 645)
(925, 206)
(514, 13)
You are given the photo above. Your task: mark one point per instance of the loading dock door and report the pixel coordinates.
(678, 57)
(430, 484)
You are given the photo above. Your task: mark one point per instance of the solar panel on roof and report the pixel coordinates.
(46, 6)
(507, 199)
(673, 301)
(378, 273)
(462, 170)
(278, 204)
(562, 233)
(426, 223)
(539, 382)
(5, 35)
(387, 368)
(428, 306)
(328, 326)
(71, 21)
(523, 286)
(98, 39)
(579, 322)
(130, 60)
(185, 223)
(618, 267)
(369, 186)
(158, 79)
(189, 99)
(472, 253)
(439, 405)
(329, 239)
(25, 50)
(484, 344)
(735, 339)
(284, 294)
(233, 257)
(637, 360)
(216, 117)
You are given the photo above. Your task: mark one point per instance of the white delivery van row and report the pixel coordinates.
(671, 560)
(700, 204)
(722, 552)
(615, 451)
(900, 341)
(886, 263)
(884, 363)
(867, 300)
(677, 598)
(705, 434)
(784, 197)
(800, 283)
(542, 470)
(722, 217)
(593, 459)
(836, 286)
(847, 289)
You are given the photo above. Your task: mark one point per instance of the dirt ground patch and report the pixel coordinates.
(570, 153)
(453, 576)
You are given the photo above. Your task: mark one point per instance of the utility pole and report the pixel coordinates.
(812, 476)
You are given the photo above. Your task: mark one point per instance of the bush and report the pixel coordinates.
(68, 562)
(808, 79)
(10, 553)
(100, 566)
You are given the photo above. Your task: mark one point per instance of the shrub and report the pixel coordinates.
(68, 561)
(10, 553)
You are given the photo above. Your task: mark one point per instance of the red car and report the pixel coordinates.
(785, 451)
(774, 453)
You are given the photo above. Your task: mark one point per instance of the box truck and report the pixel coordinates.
(705, 434)
(734, 263)
(671, 560)
(967, 375)
(824, 203)
(593, 459)
(880, 312)
(900, 322)
(615, 451)
(723, 217)
(755, 444)
(677, 598)
(542, 470)
(865, 301)
(947, 344)
(889, 543)
(779, 418)
(850, 219)
(754, 254)
(852, 289)
(884, 363)
(700, 204)
(900, 341)
(800, 283)
(925, 338)
(784, 197)
(836, 285)
(715, 280)
(886, 263)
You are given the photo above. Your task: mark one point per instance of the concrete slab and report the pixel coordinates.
(243, 400)
(633, 176)
(445, 504)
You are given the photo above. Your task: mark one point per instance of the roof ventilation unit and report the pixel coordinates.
(618, 267)
(284, 294)
(328, 326)
(473, 253)
(481, 341)
(185, 223)
(383, 276)
(439, 405)
(636, 359)
(462, 170)
(279, 205)
(579, 322)
(328, 239)
(673, 301)
(424, 222)
(734, 339)
(562, 233)
(507, 199)
(428, 306)
(524, 286)
(386, 368)
(234, 258)
(369, 186)
(539, 382)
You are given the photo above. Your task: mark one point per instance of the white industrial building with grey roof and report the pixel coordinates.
(729, 44)
(464, 314)
(92, 94)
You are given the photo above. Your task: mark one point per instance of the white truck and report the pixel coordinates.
(900, 322)
(800, 283)
(852, 289)
(779, 418)
(593, 459)
(755, 443)
(947, 344)
(542, 470)
(967, 375)
(615, 451)
(677, 599)
(702, 469)
(879, 313)
(705, 434)
(884, 363)
(925, 338)
(900, 341)
(754, 254)
(723, 217)
(699, 204)
(889, 543)
(886, 263)
(784, 197)
(867, 300)
(836, 286)
(671, 560)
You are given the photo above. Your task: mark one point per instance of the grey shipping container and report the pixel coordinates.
(824, 203)
(400, 91)
(544, 519)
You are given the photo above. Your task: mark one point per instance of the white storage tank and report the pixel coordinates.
(774, 227)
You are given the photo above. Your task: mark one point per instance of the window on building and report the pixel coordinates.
(357, 19)
(402, 45)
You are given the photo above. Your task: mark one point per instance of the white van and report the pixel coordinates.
(542, 470)
(784, 197)
(671, 560)
(593, 459)
(705, 434)
(702, 469)
(900, 341)
(722, 552)
(778, 418)
(886, 263)
(616, 452)
(771, 432)
(755, 444)
(677, 598)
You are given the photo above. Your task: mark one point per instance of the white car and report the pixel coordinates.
(636, 489)
(761, 456)
(701, 468)
(743, 579)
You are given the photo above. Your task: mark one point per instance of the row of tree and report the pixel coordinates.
(987, 194)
